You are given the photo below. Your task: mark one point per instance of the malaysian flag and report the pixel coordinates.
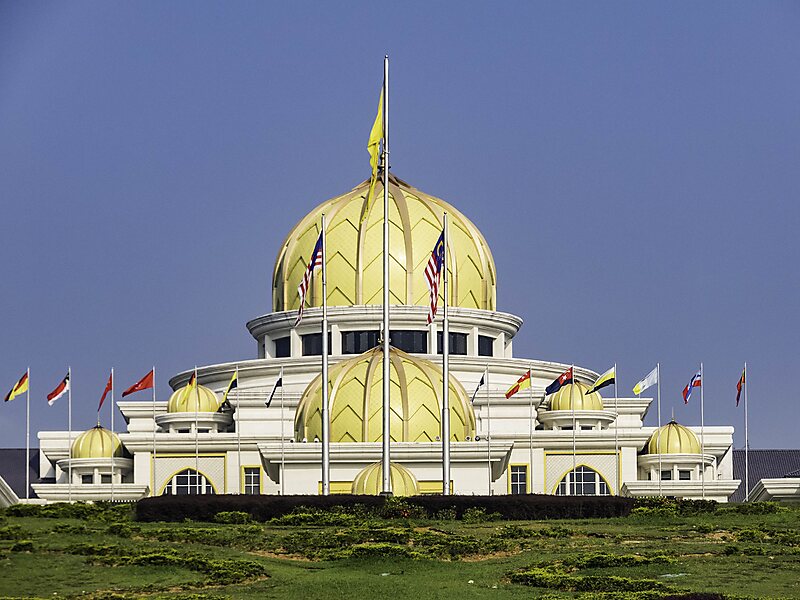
(696, 381)
(433, 274)
(314, 263)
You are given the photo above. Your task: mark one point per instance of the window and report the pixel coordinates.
(283, 347)
(87, 479)
(566, 428)
(587, 427)
(485, 345)
(519, 479)
(666, 475)
(356, 342)
(411, 341)
(312, 344)
(458, 343)
(584, 481)
(188, 482)
(105, 478)
(183, 431)
(684, 475)
(252, 480)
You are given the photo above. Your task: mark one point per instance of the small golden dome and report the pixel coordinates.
(356, 400)
(370, 480)
(575, 392)
(673, 438)
(97, 442)
(201, 399)
(354, 251)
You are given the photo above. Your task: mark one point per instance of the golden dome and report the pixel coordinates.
(97, 442)
(356, 399)
(575, 392)
(200, 399)
(354, 249)
(673, 439)
(370, 480)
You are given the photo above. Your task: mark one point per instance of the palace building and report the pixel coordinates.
(570, 442)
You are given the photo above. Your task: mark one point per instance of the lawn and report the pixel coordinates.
(654, 553)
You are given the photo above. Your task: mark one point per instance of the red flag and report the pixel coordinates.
(145, 383)
(740, 385)
(109, 385)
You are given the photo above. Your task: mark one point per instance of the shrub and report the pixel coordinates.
(10, 532)
(754, 508)
(233, 517)
(558, 580)
(22, 546)
(660, 506)
(123, 530)
(446, 514)
(478, 514)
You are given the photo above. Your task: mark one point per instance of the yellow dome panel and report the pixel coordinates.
(673, 438)
(355, 264)
(200, 399)
(355, 388)
(575, 392)
(369, 481)
(97, 442)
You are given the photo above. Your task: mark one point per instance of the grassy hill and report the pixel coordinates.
(100, 552)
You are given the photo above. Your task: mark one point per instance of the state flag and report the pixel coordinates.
(109, 387)
(61, 389)
(522, 383)
(19, 388)
(563, 379)
(145, 383)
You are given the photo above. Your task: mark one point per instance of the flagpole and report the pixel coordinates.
(574, 426)
(112, 434)
(658, 431)
(69, 424)
(326, 422)
(702, 433)
(387, 480)
(28, 437)
(616, 426)
(446, 369)
(153, 489)
(238, 432)
(283, 487)
(746, 441)
(196, 432)
(530, 429)
(488, 429)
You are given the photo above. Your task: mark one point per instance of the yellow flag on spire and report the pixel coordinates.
(373, 147)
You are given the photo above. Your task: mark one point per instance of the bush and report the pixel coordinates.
(10, 532)
(659, 506)
(22, 546)
(754, 508)
(233, 517)
(479, 515)
(265, 508)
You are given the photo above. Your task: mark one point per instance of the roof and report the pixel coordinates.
(764, 464)
(12, 469)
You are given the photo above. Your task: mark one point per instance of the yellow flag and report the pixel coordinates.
(373, 147)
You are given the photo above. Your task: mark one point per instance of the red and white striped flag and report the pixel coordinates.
(433, 274)
(313, 264)
(61, 389)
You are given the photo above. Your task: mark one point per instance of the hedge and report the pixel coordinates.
(264, 508)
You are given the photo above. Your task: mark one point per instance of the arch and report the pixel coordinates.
(589, 483)
(191, 487)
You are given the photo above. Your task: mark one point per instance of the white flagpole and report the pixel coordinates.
(326, 418)
(488, 429)
(574, 426)
(658, 431)
(28, 437)
(616, 427)
(238, 433)
(196, 432)
(112, 434)
(702, 434)
(69, 424)
(153, 490)
(387, 479)
(446, 369)
(283, 465)
(746, 441)
(528, 476)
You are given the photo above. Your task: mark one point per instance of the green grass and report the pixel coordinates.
(105, 555)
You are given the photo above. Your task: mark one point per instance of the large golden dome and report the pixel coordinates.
(356, 401)
(673, 438)
(575, 393)
(355, 268)
(97, 442)
(370, 480)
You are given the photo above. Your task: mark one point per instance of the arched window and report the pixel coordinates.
(586, 482)
(187, 482)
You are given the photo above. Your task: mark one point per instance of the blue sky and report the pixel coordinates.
(633, 166)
